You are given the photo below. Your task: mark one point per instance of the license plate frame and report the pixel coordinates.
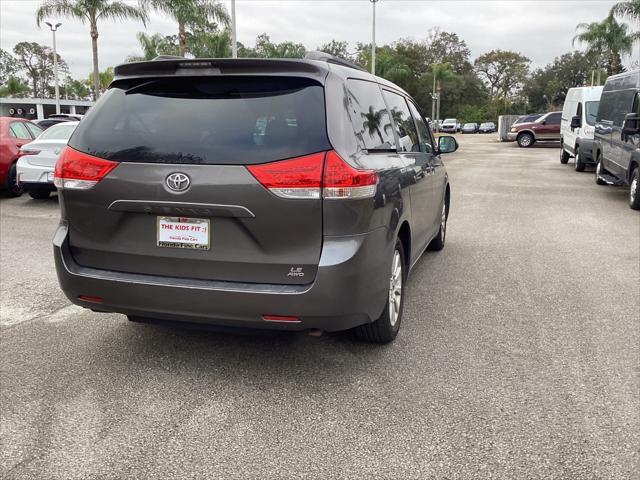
(192, 234)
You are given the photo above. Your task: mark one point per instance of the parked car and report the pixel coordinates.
(470, 128)
(545, 128)
(67, 116)
(532, 117)
(38, 160)
(487, 127)
(48, 122)
(14, 133)
(173, 210)
(578, 124)
(449, 125)
(617, 134)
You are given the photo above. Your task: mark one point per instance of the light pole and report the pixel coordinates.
(373, 39)
(234, 43)
(55, 64)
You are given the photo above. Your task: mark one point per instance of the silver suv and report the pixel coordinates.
(289, 194)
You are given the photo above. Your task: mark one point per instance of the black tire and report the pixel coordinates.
(39, 193)
(438, 241)
(599, 169)
(579, 163)
(12, 187)
(564, 156)
(384, 330)
(634, 189)
(525, 140)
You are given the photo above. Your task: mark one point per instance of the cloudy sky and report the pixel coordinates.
(540, 29)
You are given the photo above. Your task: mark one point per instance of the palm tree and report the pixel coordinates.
(187, 12)
(14, 88)
(152, 46)
(439, 73)
(607, 39)
(372, 121)
(629, 9)
(91, 11)
(104, 79)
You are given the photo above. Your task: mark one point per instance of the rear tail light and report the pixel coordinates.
(341, 180)
(321, 174)
(80, 171)
(280, 319)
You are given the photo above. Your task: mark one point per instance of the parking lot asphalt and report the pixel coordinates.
(518, 356)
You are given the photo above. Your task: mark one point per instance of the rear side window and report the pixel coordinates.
(20, 131)
(34, 129)
(403, 121)
(58, 132)
(220, 120)
(369, 115)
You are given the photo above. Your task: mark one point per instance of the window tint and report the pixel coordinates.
(369, 115)
(591, 111)
(405, 127)
(622, 104)
(58, 132)
(230, 120)
(20, 130)
(426, 142)
(606, 106)
(34, 129)
(554, 119)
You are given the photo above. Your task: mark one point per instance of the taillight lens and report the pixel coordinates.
(294, 178)
(80, 171)
(341, 180)
(310, 177)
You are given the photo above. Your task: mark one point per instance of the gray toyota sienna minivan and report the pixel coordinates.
(289, 194)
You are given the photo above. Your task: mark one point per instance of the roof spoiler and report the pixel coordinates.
(327, 57)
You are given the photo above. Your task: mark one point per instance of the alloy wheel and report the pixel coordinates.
(395, 288)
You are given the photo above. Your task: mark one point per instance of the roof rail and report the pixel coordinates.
(168, 57)
(327, 57)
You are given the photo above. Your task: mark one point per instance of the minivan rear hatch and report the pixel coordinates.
(183, 147)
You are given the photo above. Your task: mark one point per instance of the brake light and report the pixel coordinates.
(80, 171)
(294, 178)
(341, 180)
(312, 176)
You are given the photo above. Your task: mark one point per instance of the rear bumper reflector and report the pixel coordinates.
(280, 319)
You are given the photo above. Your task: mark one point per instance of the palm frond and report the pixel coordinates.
(120, 11)
(60, 8)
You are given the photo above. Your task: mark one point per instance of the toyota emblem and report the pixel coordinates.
(178, 182)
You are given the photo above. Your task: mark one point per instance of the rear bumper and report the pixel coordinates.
(349, 290)
(33, 174)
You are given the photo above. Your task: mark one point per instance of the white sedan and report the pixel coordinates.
(38, 159)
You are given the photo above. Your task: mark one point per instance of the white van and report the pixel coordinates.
(578, 124)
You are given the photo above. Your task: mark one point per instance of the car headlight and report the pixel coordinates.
(514, 130)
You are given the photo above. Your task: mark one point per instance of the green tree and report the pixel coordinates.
(608, 40)
(104, 79)
(14, 87)
(503, 71)
(336, 48)
(189, 13)
(207, 42)
(37, 62)
(9, 66)
(76, 89)
(152, 46)
(265, 48)
(629, 10)
(91, 11)
(447, 47)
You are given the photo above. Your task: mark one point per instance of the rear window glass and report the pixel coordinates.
(57, 132)
(369, 115)
(224, 120)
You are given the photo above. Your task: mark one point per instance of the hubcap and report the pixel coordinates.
(634, 189)
(577, 160)
(395, 288)
(525, 140)
(443, 221)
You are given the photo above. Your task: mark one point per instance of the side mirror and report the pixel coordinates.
(576, 122)
(447, 144)
(544, 122)
(631, 124)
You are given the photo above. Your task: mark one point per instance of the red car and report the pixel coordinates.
(545, 128)
(14, 132)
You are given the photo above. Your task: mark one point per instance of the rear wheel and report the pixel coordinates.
(385, 328)
(13, 189)
(39, 193)
(634, 194)
(599, 170)
(579, 163)
(438, 242)
(525, 140)
(564, 156)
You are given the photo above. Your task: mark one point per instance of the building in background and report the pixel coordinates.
(39, 108)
